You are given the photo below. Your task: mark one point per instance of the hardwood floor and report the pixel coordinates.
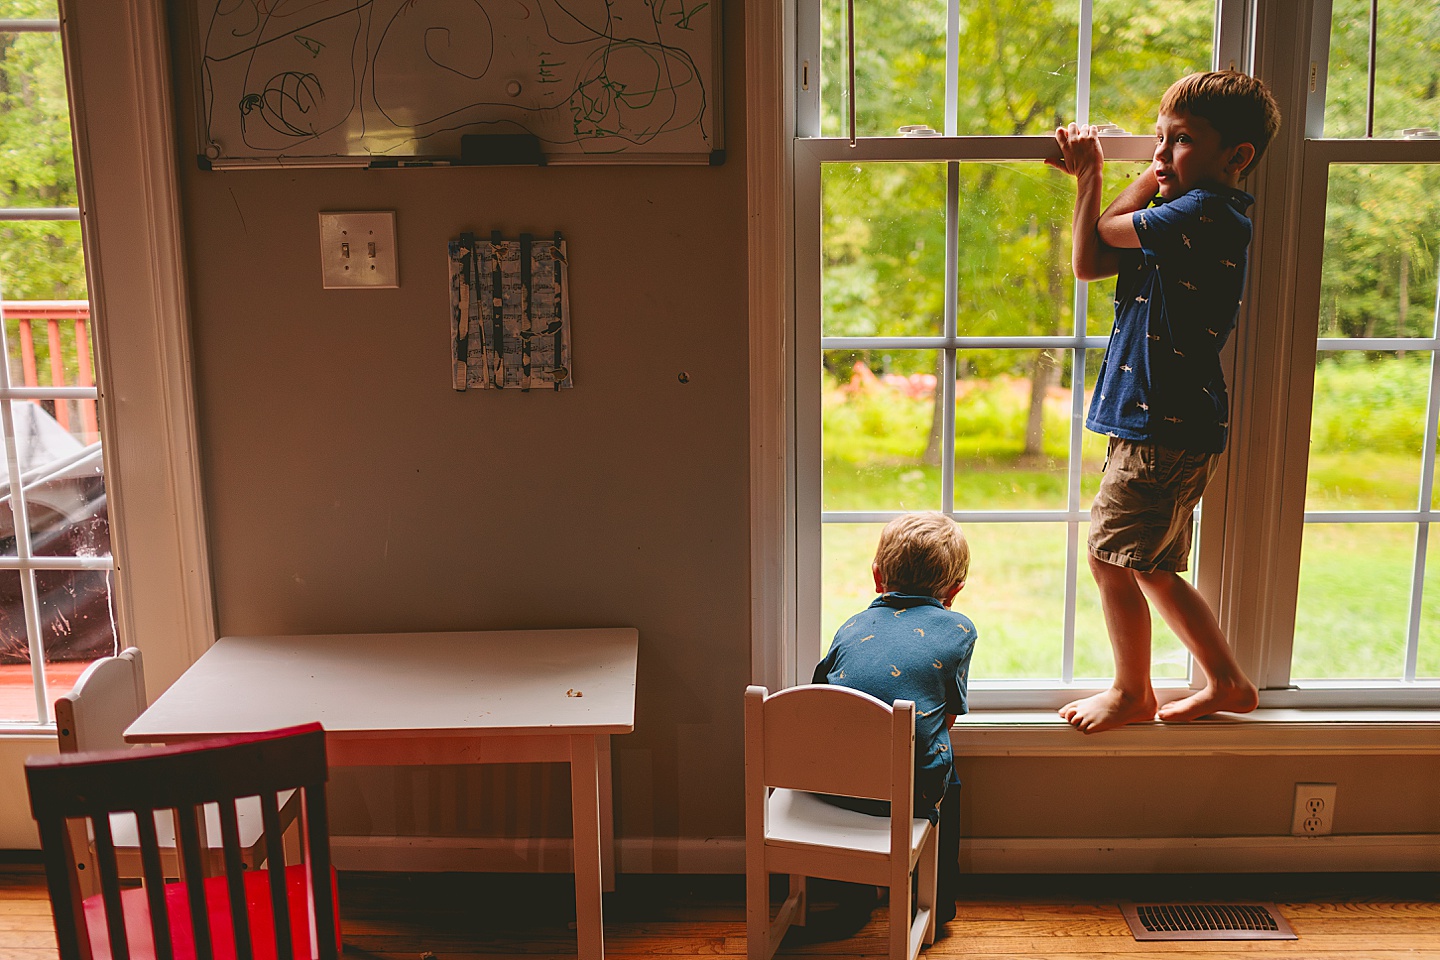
(451, 917)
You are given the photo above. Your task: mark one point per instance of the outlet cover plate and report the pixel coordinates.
(1314, 809)
(357, 250)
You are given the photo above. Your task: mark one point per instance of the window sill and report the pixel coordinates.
(1265, 732)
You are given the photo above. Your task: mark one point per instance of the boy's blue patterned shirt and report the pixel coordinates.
(1176, 299)
(909, 648)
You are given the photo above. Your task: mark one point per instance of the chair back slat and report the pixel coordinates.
(110, 888)
(64, 888)
(193, 855)
(318, 866)
(275, 853)
(824, 739)
(153, 872)
(235, 879)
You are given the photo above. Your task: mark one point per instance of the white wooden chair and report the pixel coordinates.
(830, 739)
(93, 716)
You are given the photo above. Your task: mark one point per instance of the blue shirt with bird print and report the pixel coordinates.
(1176, 299)
(909, 648)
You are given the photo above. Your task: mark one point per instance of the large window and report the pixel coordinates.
(56, 613)
(946, 353)
(1368, 607)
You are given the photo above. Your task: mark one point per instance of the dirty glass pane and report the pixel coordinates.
(882, 249)
(1354, 604)
(1407, 49)
(1139, 48)
(1012, 429)
(1367, 430)
(1382, 231)
(879, 446)
(1016, 597)
(899, 66)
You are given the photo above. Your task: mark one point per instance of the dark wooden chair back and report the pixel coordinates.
(240, 914)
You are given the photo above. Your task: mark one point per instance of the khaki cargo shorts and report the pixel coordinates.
(1143, 515)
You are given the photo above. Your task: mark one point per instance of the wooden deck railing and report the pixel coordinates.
(63, 319)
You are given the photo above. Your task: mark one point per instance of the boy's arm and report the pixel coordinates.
(1082, 158)
(1116, 226)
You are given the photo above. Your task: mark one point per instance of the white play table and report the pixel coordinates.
(390, 699)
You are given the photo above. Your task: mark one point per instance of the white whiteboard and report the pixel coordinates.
(623, 81)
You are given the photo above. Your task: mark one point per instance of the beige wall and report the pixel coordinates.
(350, 489)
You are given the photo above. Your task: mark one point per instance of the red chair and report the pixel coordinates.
(238, 915)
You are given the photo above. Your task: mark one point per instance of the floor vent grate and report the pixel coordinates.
(1206, 921)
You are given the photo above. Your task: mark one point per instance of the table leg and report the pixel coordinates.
(608, 852)
(585, 807)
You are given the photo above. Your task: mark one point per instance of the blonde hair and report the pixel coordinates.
(922, 554)
(1237, 105)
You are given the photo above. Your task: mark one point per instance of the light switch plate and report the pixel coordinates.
(357, 249)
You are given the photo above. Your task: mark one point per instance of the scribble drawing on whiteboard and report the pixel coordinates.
(403, 78)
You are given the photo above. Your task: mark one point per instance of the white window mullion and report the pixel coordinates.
(1082, 62)
(949, 365)
(952, 69)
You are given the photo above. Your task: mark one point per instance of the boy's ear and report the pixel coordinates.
(954, 591)
(879, 584)
(1241, 156)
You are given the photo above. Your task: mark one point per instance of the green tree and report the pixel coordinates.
(884, 224)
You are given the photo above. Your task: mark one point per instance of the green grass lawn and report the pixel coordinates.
(1354, 601)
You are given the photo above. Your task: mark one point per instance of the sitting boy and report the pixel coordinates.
(909, 645)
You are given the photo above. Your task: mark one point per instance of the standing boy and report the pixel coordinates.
(1160, 395)
(909, 645)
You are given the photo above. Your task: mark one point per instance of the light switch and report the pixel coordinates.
(358, 250)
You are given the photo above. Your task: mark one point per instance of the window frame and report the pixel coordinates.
(1252, 581)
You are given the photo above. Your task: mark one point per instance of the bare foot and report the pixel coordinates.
(1109, 709)
(1232, 698)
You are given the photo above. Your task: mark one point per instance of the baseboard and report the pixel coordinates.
(726, 855)
(723, 855)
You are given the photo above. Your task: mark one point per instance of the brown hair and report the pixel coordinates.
(922, 554)
(1237, 105)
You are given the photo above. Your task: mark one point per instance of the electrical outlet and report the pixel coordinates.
(358, 250)
(1314, 809)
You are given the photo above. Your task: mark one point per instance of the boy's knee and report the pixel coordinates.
(1104, 569)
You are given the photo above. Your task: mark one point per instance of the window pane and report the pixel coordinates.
(77, 620)
(846, 584)
(1093, 660)
(1354, 602)
(880, 446)
(76, 623)
(1017, 67)
(37, 164)
(1012, 429)
(899, 66)
(29, 10)
(1382, 230)
(64, 488)
(1367, 432)
(883, 249)
(1014, 240)
(1407, 49)
(1139, 48)
(1016, 597)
